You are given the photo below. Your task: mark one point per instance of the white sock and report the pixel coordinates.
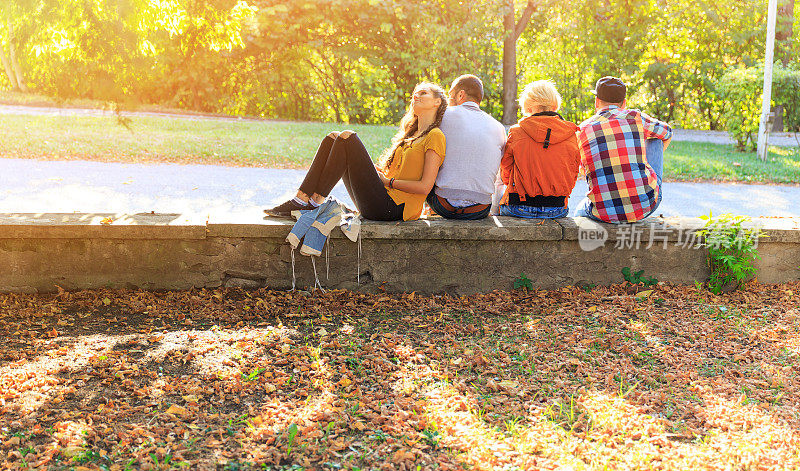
(313, 203)
(299, 201)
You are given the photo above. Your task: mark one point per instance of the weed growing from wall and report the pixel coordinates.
(732, 246)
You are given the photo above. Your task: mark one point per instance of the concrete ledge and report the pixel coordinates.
(164, 251)
(96, 226)
(492, 228)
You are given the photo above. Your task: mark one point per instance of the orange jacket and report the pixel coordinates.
(541, 157)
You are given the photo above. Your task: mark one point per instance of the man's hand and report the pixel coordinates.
(666, 143)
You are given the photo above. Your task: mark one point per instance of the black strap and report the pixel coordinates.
(539, 201)
(547, 138)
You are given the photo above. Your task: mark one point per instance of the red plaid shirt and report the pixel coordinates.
(622, 185)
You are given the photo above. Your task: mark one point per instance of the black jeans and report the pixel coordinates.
(348, 160)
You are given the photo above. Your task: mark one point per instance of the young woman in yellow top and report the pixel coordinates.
(394, 190)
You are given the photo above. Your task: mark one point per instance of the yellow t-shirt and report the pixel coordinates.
(408, 163)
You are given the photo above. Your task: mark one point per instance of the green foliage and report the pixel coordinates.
(432, 436)
(356, 61)
(292, 433)
(123, 51)
(253, 374)
(166, 461)
(86, 456)
(588, 287)
(732, 247)
(742, 90)
(671, 54)
(636, 278)
(523, 282)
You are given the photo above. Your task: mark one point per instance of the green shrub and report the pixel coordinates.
(741, 89)
(732, 247)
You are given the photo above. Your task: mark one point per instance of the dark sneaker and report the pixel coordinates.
(284, 210)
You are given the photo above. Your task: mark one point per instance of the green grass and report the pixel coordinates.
(702, 161)
(9, 97)
(13, 98)
(155, 139)
(293, 144)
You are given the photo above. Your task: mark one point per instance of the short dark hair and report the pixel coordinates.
(471, 85)
(609, 103)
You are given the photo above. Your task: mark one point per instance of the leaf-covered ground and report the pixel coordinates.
(568, 379)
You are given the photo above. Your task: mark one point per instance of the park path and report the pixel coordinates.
(784, 139)
(234, 194)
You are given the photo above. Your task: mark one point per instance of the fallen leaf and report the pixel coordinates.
(175, 409)
(401, 456)
(508, 384)
(358, 425)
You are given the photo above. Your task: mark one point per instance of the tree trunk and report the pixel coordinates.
(784, 31)
(12, 54)
(12, 79)
(9, 73)
(511, 32)
(509, 66)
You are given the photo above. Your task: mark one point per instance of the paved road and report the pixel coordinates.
(785, 139)
(228, 194)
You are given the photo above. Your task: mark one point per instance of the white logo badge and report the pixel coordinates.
(591, 235)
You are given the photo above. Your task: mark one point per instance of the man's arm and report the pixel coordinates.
(656, 129)
(584, 154)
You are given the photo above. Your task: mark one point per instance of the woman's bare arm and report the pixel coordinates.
(424, 185)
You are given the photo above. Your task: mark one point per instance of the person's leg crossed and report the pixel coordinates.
(364, 185)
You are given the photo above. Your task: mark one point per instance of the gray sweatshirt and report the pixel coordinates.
(475, 143)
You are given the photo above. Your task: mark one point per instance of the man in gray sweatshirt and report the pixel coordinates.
(475, 142)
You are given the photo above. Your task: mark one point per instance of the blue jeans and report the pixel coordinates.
(655, 157)
(437, 207)
(532, 212)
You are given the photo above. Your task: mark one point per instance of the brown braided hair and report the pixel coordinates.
(409, 123)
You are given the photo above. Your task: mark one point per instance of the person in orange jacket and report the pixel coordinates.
(541, 159)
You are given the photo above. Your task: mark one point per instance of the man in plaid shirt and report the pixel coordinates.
(622, 155)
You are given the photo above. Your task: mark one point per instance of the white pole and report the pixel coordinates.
(763, 131)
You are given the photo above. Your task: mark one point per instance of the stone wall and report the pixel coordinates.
(151, 251)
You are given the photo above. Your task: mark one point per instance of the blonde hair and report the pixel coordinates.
(539, 96)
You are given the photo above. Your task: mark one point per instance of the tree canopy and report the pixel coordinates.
(357, 60)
